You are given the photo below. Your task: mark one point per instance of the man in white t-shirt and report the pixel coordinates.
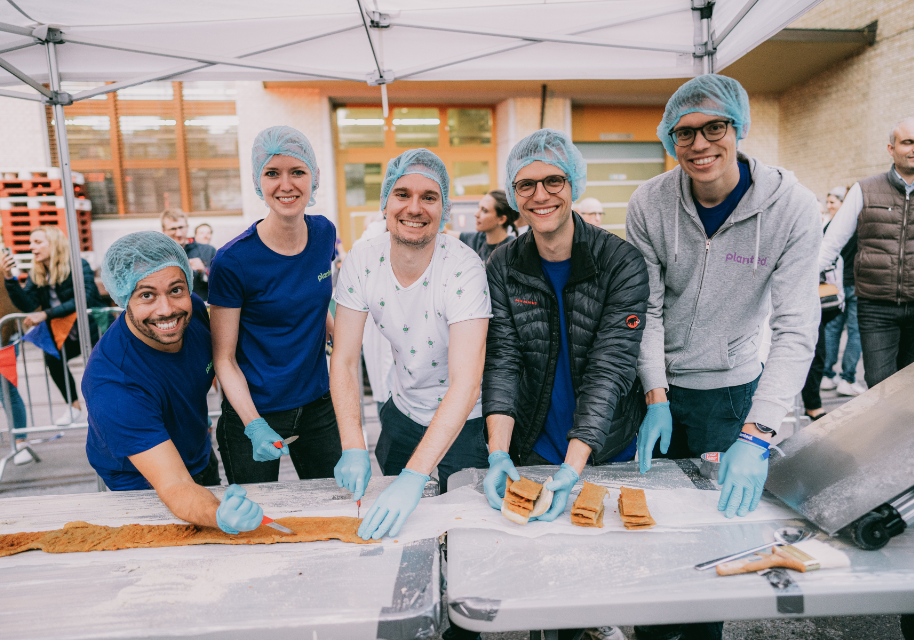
(428, 295)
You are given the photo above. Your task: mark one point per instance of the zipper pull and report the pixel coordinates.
(708, 246)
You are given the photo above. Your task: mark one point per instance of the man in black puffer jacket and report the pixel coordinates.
(568, 304)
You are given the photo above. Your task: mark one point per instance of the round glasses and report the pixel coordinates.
(552, 184)
(712, 132)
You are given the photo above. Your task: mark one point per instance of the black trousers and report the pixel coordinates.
(209, 477)
(812, 399)
(59, 371)
(314, 454)
(886, 336)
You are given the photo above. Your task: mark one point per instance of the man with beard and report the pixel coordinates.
(427, 292)
(146, 383)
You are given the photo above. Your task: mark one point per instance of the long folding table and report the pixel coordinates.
(502, 582)
(307, 591)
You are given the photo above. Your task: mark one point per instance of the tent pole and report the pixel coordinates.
(63, 154)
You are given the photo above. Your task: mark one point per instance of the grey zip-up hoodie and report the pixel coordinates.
(709, 297)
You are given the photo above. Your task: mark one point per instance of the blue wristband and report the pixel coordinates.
(745, 437)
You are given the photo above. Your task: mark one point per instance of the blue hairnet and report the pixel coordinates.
(425, 163)
(711, 94)
(283, 141)
(552, 147)
(137, 255)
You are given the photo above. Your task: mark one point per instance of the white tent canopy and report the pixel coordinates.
(374, 41)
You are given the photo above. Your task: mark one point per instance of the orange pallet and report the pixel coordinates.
(26, 185)
(18, 223)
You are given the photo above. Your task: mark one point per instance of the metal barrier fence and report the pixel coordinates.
(36, 401)
(103, 318)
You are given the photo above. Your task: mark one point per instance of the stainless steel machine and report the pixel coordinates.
(853, 470)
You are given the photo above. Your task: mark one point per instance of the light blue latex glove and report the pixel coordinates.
(262, 437)
(657, 424)
(561, 484)
(500, 467)
(393, 506)
(743, 472)
(353, 472)
(237, 513)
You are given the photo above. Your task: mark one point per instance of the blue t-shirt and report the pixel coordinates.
(713, 217)
(139, 397)
(283, 302)
(553, 441)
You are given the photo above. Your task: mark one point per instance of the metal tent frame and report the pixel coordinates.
(374, 23)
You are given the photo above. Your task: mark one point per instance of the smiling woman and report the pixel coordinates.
(269, 297)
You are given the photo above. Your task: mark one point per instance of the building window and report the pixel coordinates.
(360, 127)
(416, 127)
(215, 189)
(469, 127)
(174, 145)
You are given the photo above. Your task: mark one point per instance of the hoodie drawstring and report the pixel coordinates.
(676, 238)
(758, 233)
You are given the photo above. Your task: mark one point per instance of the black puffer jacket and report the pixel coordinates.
(605, 303)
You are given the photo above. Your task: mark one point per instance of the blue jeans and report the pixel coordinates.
(18, 409)
(400, 436)
(17, 406)
(852, 349)
(704, 420)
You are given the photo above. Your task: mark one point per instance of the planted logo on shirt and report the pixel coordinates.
(209, 367)
(322, 276)
(732, 257)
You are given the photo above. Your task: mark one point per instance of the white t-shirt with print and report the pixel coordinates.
(415, 319)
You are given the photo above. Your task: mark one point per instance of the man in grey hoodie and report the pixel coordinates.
(722, 235)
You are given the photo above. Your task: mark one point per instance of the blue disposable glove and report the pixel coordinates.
(500, 467)
(393, 506)
(353, 472)
(657, 424)
(743, 472)
(561, 484)
(262, 437)
(237, 513)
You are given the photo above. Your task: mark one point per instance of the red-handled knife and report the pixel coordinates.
(278, 444)
(269, 522)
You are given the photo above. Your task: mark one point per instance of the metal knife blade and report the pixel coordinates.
(278, 444)
(269, 522)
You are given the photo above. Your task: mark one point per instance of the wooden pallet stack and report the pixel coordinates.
(33, 197)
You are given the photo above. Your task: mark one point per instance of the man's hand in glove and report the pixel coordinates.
(500, 467)
(353, 472)
(237, 513)
(562, 483)
(743, 471)
(657, 425)
(393, 506)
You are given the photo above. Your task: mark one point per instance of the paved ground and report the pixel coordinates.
(64, 469)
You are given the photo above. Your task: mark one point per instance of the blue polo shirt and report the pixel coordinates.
(139, 397)
(283, 302)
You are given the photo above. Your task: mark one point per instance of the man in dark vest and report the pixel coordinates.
(880, 210)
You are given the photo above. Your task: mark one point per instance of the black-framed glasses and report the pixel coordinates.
(552, 184)
(712, 132)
